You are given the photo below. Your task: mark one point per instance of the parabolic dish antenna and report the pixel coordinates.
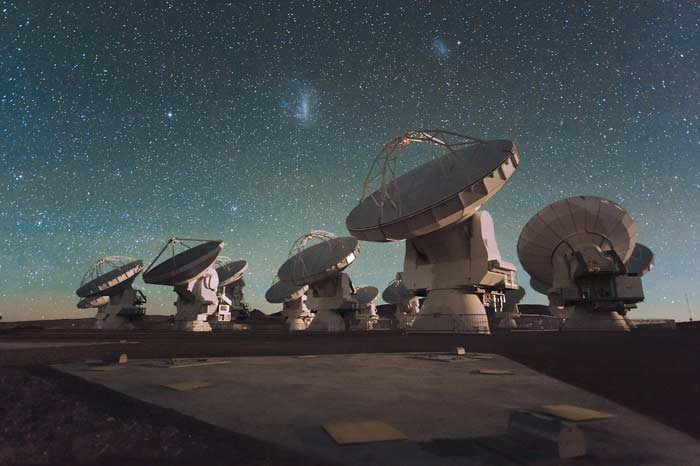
(641, 261)
(185, 266)
(452, 256)
(583, 253)
(570, 224)
(440, 192)
(397, 293)
(320, 261)
(282, 292)
(107, 286)
(366, 295)
(537, 286)
(512, 297)
(109, 276)
(229, 271)
(93, 301)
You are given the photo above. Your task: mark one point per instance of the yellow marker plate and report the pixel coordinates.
(186, 386)
(346, 433)
(574, 413)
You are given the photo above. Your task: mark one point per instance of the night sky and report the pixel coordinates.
(122, 124)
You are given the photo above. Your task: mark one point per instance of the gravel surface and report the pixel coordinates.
(49, 418)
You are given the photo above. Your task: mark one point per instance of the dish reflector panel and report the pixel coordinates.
(397, 293)
(231, 272)
(366, 294)
(441, 192)
(93, 301)
(185, 266)
(570, 224)
(113, 282)
(641, 261)
(320, 261)
(282, 292)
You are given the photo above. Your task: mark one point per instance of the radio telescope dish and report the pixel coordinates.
(231, 297)
(330, 292)
(397, 293)
(185, 266)
(513, 296)
(641, 261)
(194, 280)
(451, 251)
(230, 271)
(107, 286)
(282, 292)
(320, 261)
(110, 276)
(303, 241)
(406, 304)
(366, 295)
(93, 301)
(537, 286)
(438, 193)
(569, 224)
(582, 252)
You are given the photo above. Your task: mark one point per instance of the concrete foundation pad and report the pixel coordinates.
(449, 414)
(17, 345)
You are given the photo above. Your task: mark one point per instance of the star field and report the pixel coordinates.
(124, 123)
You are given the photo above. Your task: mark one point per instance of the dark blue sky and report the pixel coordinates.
(123, 123)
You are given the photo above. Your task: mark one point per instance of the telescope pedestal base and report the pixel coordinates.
(327, 320)
(299, 322)
(120, 312)
(364, 319)
(193, 326)
(451, 311)
(297, 314)
(296, 325)
(108, 319)
(578, 319)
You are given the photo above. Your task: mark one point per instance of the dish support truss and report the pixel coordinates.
(384, 169)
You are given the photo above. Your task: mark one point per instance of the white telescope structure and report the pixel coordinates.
(107, 286)
(451, 253)
(582, 252)
(338, 304)
(193, 278)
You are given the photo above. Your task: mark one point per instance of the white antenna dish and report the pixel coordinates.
(366, 294)
(397, 293)
(109, 276)
(231, 299)
(293, 300)
(451, 250)
(282, 292)
(641, 261)
(582, 252)
(320, 261)
(569, 224)
(330, 292)
(406, 303)
(302, 242)
(93, 302)
(185, 266)
(194, 279)
(441, 192)
(107, 286)
(229, 271)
